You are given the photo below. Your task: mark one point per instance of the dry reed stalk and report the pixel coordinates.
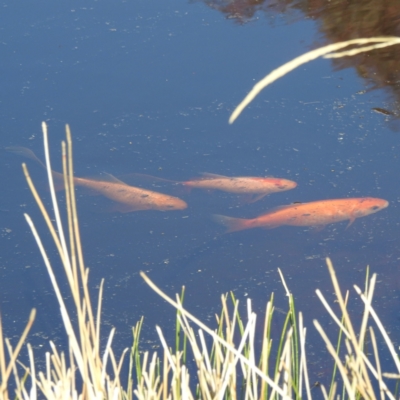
(266, 347)
(7, 368)
(310, 56)
(186, 316)
(357, 370)
(84, 343)
(303, 359)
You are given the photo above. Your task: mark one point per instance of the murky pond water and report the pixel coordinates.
(148, 87)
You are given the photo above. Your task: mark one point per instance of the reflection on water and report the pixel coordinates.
(340, 20)
(136, 83)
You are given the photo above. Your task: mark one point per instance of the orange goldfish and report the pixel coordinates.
(128, 198)
(316, 213)
(257, 187)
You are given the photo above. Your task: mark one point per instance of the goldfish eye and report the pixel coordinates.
(375, 208)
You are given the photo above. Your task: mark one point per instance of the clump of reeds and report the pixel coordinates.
(227, 367)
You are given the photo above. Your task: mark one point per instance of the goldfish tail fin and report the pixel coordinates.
(233, 224)
(58, 180)
(25, 152)
(28, 153)
(183, 189)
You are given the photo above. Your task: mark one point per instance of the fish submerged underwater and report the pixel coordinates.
(316, 213)
(251, 185)
(254, 188)
(128, 198)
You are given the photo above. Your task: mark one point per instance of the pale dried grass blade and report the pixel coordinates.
(64, 313)
(284, 283)
(13, 366)
(281, 364)
(381, 328)
(342, 304)
(382, 385)
(166, 349)
(229, 364)
(360, 375)
(204, 352)
(303, 360)
(390, 375)
(212, 334)
(76, 232)
(33, 391)
(331, 313)
(342, 369)
(14, 354)
(362, 333)
(266, 345)
(252, 333)
(332, 391)
(324, 393)
(305, 58)
(354, 52)
(74, 278)
(105, 356)
(96, 349)
(54, 200)
(44, 212)
(185, 389)
(3, 383)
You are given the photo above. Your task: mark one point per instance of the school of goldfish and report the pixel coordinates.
(128, 198)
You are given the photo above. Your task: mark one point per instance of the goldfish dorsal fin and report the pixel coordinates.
(135, 176)
(111, 178)
(279, 208)
(214, 176)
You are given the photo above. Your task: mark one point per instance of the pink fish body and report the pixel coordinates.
(127, 198)
(316, 213)
(250, 187)
(241, 184)
(130, 198)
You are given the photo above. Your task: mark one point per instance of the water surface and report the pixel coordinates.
(148, 88)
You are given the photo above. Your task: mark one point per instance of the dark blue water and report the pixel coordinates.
(148, 88)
